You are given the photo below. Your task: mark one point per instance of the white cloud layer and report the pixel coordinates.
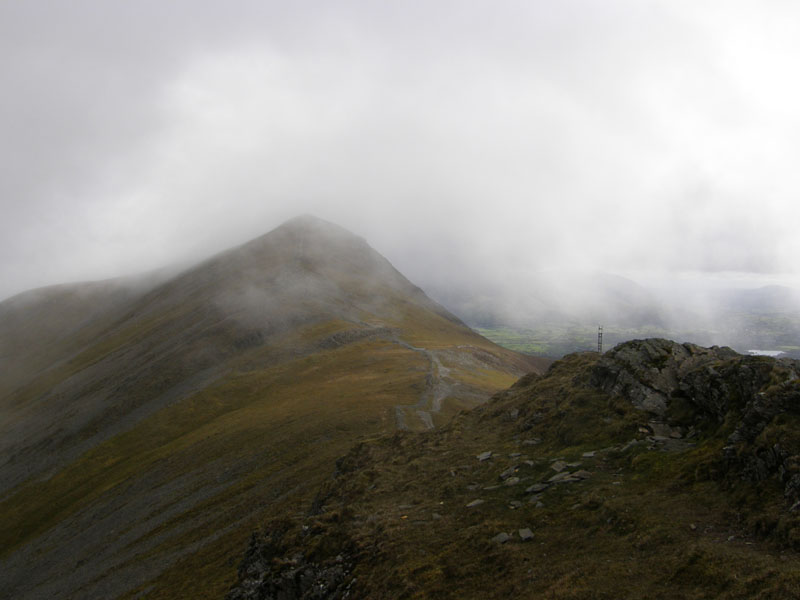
(457, 137)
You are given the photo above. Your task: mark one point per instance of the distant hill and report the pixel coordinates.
(147, 425)
(767, 299)
(657, 470)
(553, 314)
(527, 300)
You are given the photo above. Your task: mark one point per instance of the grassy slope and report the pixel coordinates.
(40, 327)
(273, 430)
(155, 432)
(646, 524)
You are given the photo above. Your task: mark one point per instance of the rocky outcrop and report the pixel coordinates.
(687, 385)
(648, 372)
(268, 573)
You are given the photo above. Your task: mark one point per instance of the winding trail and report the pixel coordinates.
(436, 390)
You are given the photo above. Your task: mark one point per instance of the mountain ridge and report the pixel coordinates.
(656, 470)
(180, 414)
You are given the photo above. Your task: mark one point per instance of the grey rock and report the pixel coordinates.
(563, 477)
(512, 481)
(589, 454)
(475, 503)
(501, 538)
(648, 371)
(660, 429)
(525, 534)
(537, 487)
(262, 576)
(509, 472)
(558, 466)
(484, 455)
(717, 383)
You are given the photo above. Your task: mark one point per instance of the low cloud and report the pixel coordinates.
(461, 139)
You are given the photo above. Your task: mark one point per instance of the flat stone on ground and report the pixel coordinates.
(536, 488)
(509, 471)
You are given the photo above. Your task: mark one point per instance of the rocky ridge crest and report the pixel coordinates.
(643, 452)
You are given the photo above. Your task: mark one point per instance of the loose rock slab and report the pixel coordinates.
(509, 471)
(536, 488)
(525, 534)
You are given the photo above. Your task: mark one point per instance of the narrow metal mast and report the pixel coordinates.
(600, 339)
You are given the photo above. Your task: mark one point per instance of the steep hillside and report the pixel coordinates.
(143, 422)
(39, 327)
(658, 470)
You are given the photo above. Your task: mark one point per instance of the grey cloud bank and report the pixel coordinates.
(459, 138)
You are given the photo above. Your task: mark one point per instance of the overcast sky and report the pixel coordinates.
(456, 136)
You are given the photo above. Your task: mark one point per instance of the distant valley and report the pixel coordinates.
(555, 314)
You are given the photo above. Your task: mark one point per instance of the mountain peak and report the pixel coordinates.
(309, 222)
(310, 238)
(312, 227)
